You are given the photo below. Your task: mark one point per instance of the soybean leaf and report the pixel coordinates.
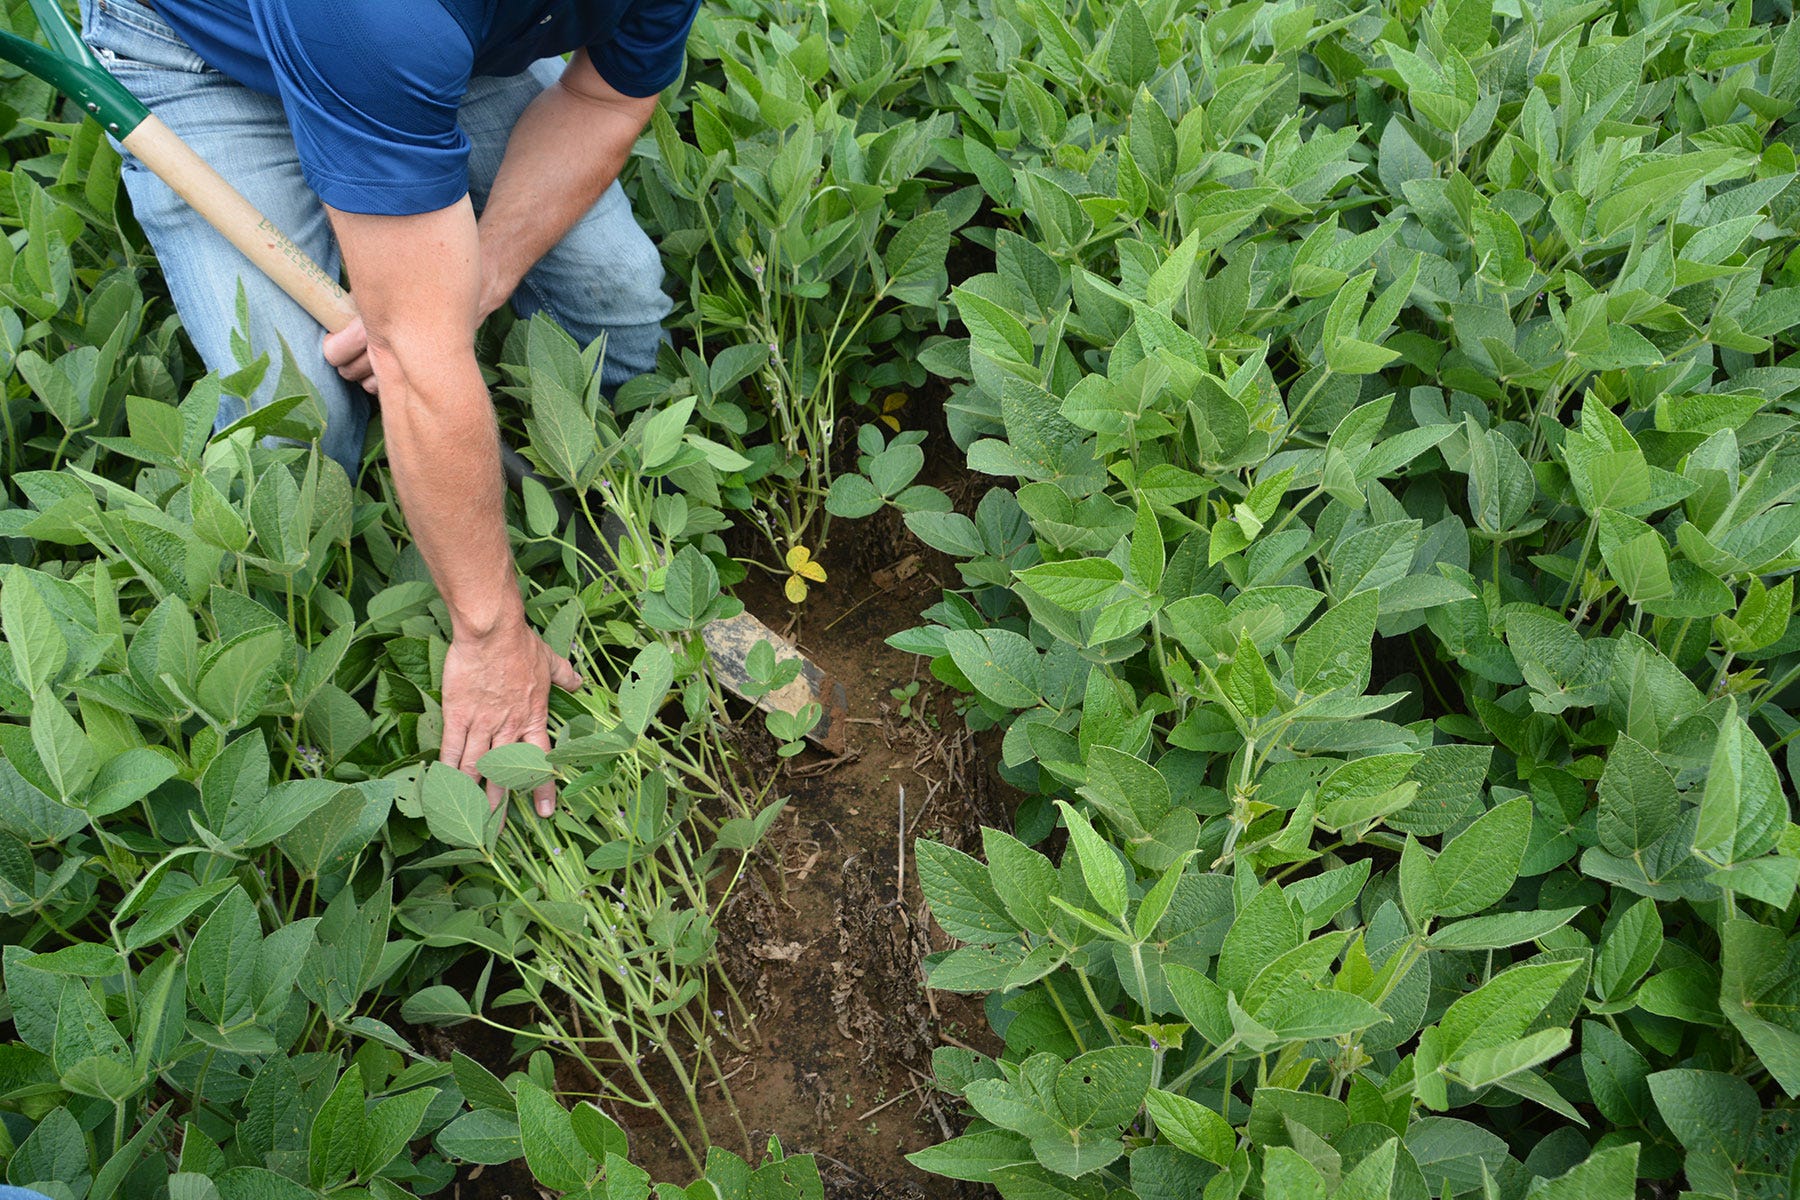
(1478, 866)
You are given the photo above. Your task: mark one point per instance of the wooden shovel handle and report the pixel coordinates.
(225, 209)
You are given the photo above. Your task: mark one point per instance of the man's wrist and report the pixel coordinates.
(495, 624)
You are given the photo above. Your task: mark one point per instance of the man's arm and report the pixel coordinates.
(565, 151)
(415, 279)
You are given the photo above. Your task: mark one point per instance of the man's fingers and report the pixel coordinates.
(563, 675)
(456, 735)
(346, 345)
(478, 743)
(544, 795)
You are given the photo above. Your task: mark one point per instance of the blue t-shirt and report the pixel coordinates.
(371, 89)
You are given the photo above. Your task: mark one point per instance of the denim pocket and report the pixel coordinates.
(124, 34)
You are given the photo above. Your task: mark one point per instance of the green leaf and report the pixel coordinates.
(1628, 949)
(1334, 652)
(1756, 994)
(1418, 885)
(1636, 556)
(1285, 1173)
(854, 497)
(39, 650)
(222, 961)
(1148, 554)
(1076, 584)
(338, 1132)
(215, 521)
(1131, 55)
(124, 780)
(456, 810)
(1609, 1174)
(662, 431)
(974, 1156)
(391, 1125)
(517, 767)
(894, 468)
(1707, 1111)
(1101, 869)
(484, 1136)
(556, 1156)
(1638, 802)
(915, 257)
(1129, 792)
(994, 330)
(1500, 930)
(55, 1152)
(1761, 620)
(1001, 664)
(480, 1086)
(68, 757)
(1264, 930)
(1478, 866)
(540, 510)
(1364, 790)
(1502, 1009)
(1742, 807)
(962, 897)
(236, 680)
(439, 1004)
(1193, 1127)
(1617, 1075)
(1022, 879)
(1491, 1064)
(1501, 487)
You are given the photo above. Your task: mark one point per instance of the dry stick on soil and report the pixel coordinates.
(900, 873)
(933, 785)
(915, 1088)
(851, 609)
(932, 1099)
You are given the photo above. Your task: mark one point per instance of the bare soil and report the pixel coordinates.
(825, 939)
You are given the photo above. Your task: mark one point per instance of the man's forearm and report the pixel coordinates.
(564, 152)
(444, 451)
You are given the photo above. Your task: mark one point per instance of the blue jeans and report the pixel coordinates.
(604, 276)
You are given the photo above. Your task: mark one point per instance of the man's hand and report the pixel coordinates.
(348, 351)
(496, 692)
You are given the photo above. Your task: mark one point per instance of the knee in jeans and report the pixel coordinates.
(610, 281)
(632, 290)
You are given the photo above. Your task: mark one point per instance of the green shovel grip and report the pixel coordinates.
(71, 68)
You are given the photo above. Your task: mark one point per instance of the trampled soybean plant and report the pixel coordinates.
(605, 907)
(1386, 603)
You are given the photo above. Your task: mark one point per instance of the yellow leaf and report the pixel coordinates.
(890, 422)
(796, 589)
(893, 402)
(798, 556)
(811, 570)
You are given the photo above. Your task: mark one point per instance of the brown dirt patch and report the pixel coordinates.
(824, 939)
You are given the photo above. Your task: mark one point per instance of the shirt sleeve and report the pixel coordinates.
(647, 48)
(371, 93)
